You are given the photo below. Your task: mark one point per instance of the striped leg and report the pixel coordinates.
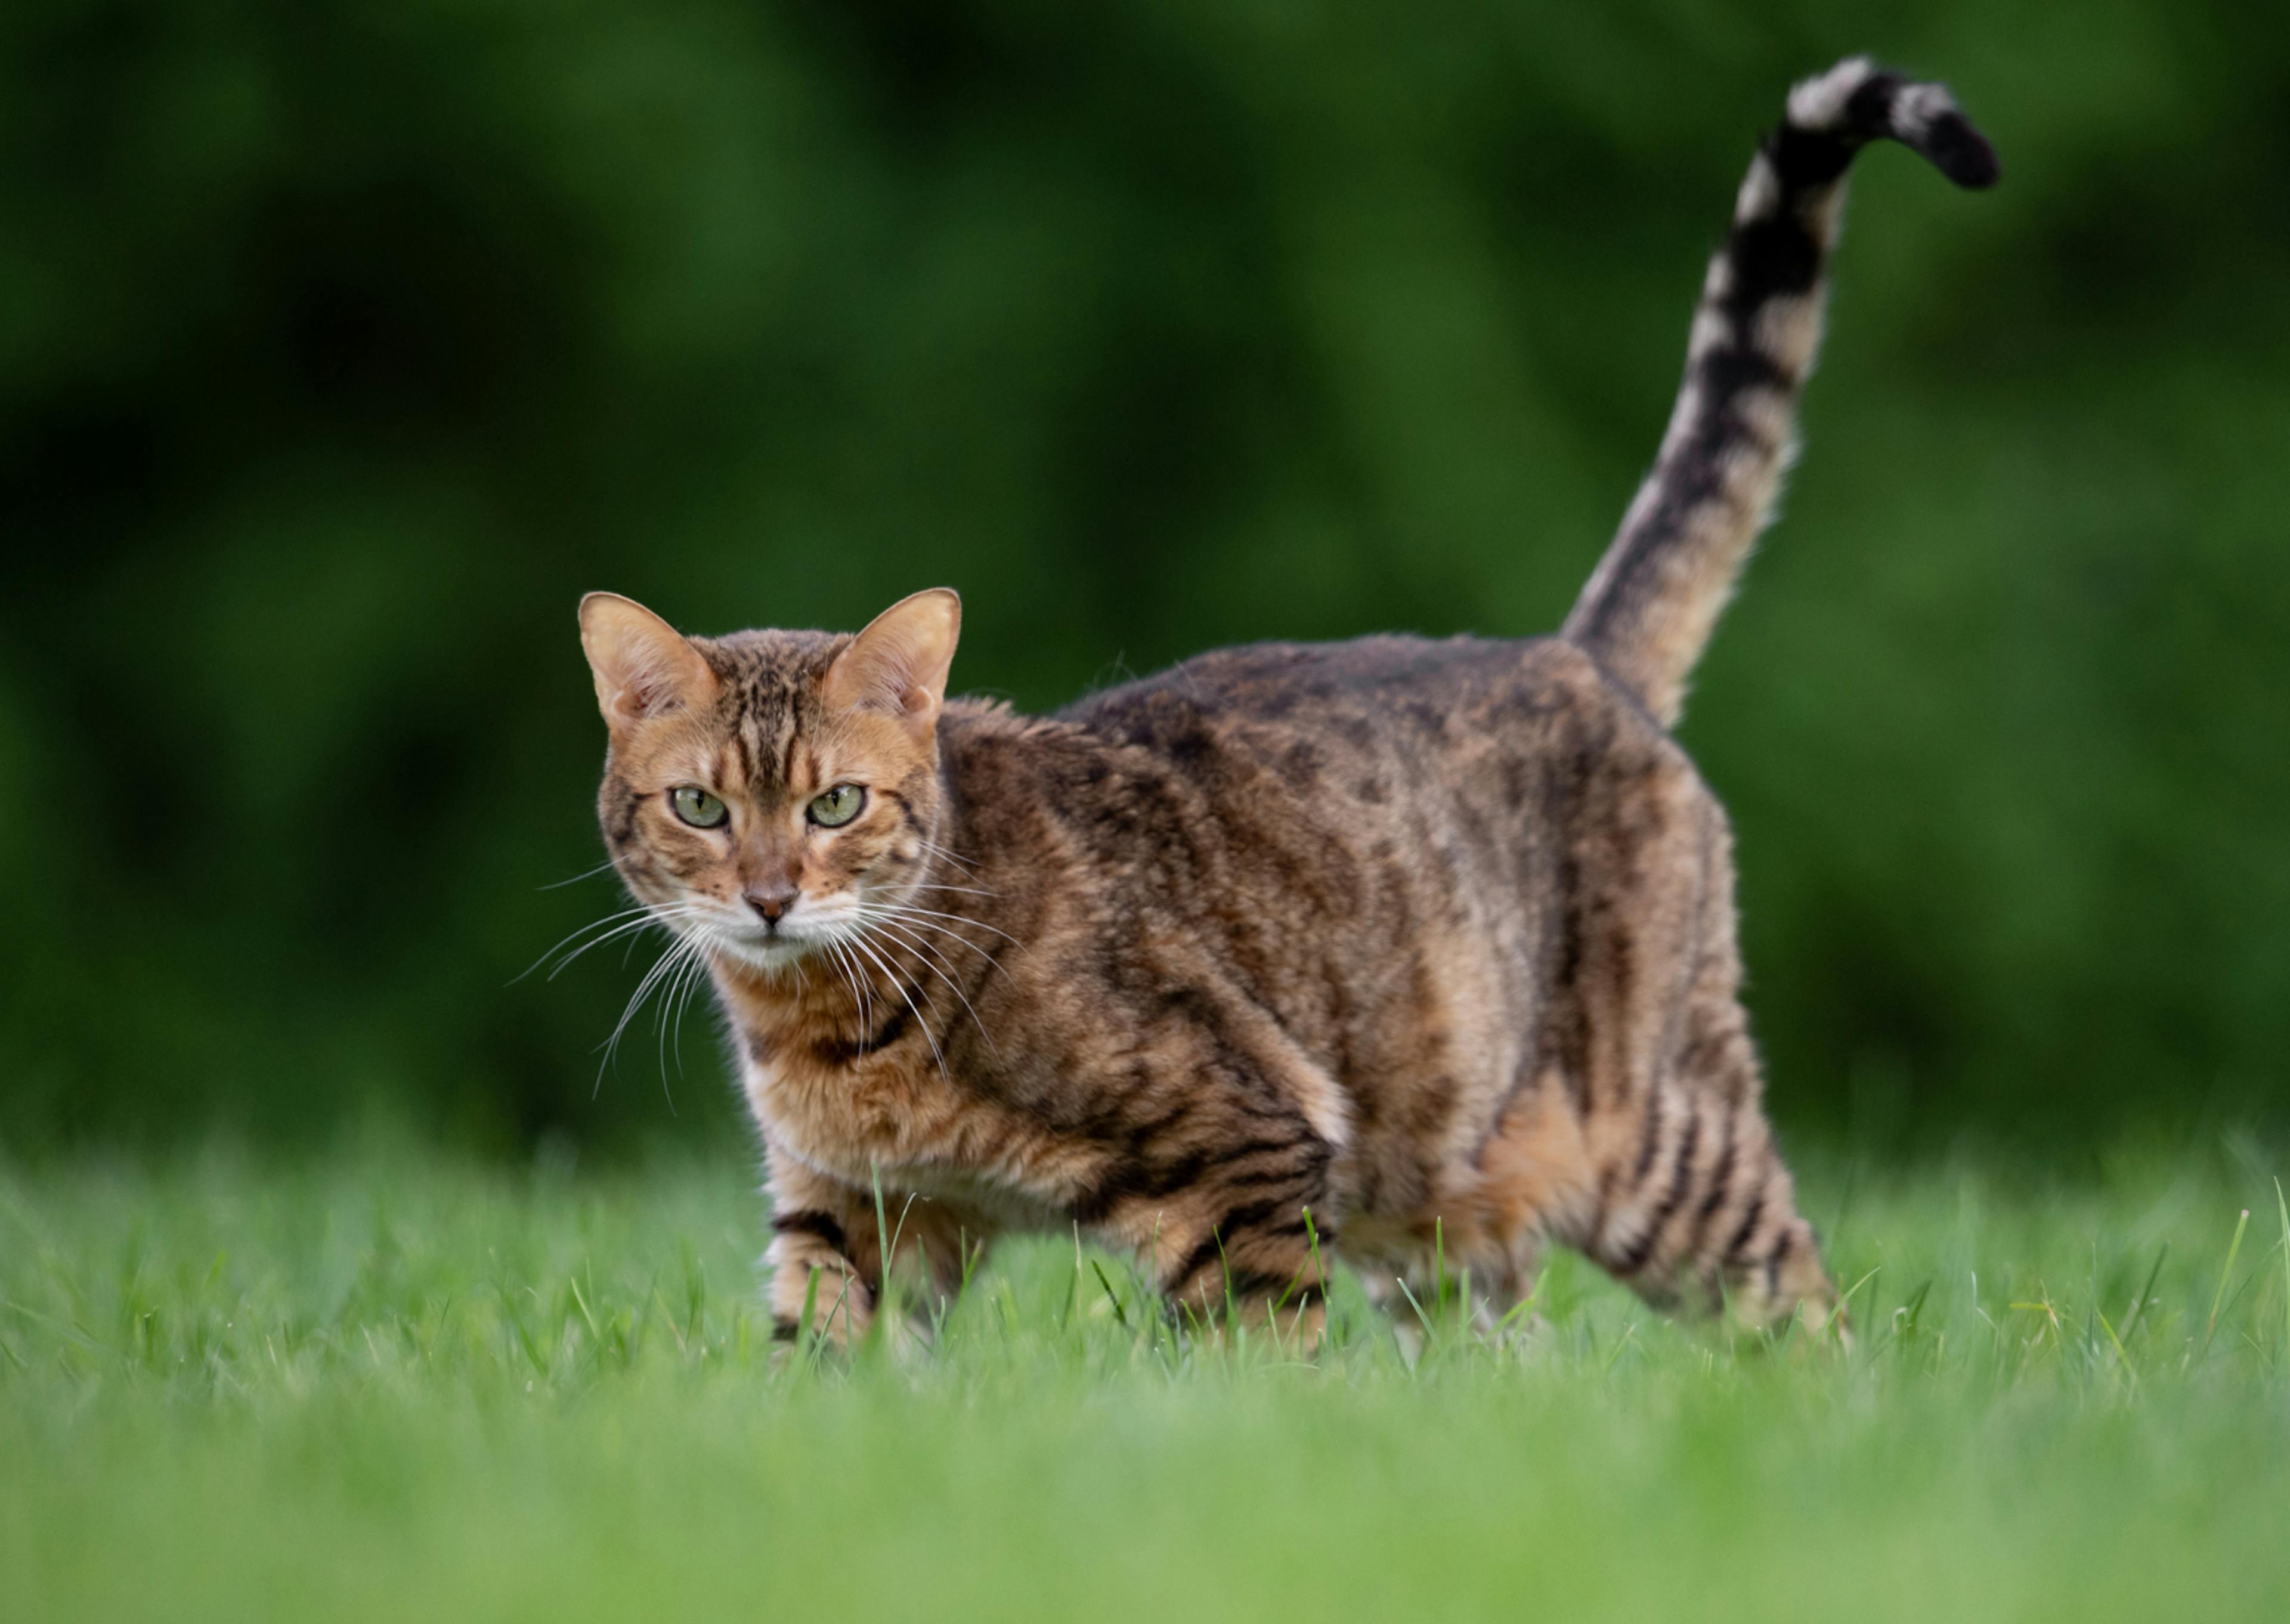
(1705, 1212)
(827, 1249)
(1274, 1283)
(1250, 1254)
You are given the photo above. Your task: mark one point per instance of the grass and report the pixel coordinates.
(385, 1386)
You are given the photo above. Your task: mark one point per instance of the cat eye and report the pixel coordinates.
(837, 806)
(696, 806)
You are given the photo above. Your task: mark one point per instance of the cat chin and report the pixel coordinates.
(771, 957)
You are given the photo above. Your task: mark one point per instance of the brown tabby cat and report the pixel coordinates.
(1290, 954)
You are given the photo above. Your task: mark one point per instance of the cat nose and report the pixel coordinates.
(770, 902)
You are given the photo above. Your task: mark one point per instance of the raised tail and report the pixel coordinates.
(1648, 609)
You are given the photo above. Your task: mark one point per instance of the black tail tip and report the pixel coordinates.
(1961, 152)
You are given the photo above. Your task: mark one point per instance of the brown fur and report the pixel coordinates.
(1432, 939)
(1290, 952)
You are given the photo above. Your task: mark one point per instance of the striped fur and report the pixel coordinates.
(1647, 612)
(1414, 954)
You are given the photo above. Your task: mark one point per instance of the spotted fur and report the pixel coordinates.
(1376, 950)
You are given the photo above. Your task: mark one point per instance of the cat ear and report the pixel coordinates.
(899, 664)
(643, 667)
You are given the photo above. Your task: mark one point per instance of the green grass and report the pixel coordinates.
(380, 1385)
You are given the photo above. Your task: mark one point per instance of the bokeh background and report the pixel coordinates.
(343, 345)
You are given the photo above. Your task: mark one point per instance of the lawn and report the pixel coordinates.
(380, 1384)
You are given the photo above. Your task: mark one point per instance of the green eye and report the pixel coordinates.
(837, 806)
(696, 806)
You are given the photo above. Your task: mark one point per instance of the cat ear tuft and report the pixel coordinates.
(899, 664)
(643, 667)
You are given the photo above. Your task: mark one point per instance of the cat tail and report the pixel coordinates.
(1648, 609)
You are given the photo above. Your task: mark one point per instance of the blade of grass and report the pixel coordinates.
(1319, 1270)
(1120, 1316)
(582, 1304)
(2282, 1207)
(2210, 1328)
(2120, 1353)
(1402, 1284)
(806, 1329)
(1524, 1305)
(2146, 1291)
(885, 1240)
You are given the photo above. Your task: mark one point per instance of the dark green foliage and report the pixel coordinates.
(343, 347)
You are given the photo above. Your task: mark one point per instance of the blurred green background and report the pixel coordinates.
(342, 345)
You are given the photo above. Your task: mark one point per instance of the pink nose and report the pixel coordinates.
(770, 902)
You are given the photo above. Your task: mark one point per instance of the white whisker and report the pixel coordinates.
(666, 918)
(575, 935)
(937, 929)
(907, 910)
(673, 1004)
(590, 874)
(863, 945)
(943, 970)
(851, 979)
(873, 914)
(651, 977)
(965, 864)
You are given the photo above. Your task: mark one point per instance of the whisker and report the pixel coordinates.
(910, 911)
(850, 973)
(590, 873)
(940, 932)
(908, 936)
(965, 864)
(659, 1016)
(672, 1007)
(686, 953)
(660, 966)
(886, 961)
(852, 980)
(861, 944)
(666, 919)
(942, 970)
(872, 914)
(628, 934)
(620, 914)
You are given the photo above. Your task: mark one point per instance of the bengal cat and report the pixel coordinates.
(1290, 954)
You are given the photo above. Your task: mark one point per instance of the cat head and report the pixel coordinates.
(765, 790)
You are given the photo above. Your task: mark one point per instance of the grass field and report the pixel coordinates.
(382, 1385)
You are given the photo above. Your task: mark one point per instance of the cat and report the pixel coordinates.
(1369, 951)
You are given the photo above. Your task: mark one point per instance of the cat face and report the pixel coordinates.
(766, 790)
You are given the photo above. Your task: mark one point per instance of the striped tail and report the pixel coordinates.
(1648, 609)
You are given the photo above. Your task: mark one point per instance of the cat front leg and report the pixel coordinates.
(827, 1246)
(1251, 1249)
(825, 1258)
(1248, 1273)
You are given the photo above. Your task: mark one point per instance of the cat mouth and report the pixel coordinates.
(783, 940)
(773, 936)
(775, 944)
(772, 949)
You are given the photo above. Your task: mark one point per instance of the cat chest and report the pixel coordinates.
(908, 1125)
